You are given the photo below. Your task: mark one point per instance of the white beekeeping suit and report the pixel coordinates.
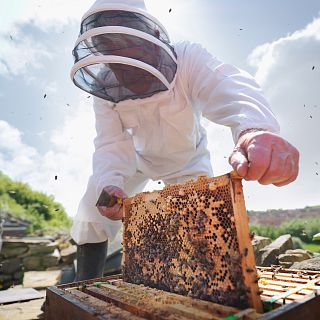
(150, 97)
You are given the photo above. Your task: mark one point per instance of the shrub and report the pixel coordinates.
(20, 200)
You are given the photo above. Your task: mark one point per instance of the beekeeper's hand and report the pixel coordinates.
(116, 211)
(266, 157)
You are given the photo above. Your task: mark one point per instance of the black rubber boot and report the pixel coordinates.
(91, 258)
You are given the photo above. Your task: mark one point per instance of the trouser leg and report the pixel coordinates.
(90, 260)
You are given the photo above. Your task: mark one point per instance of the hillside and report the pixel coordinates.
(277, 217)
(19, 200)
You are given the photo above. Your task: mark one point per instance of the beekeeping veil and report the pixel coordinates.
(122, 52)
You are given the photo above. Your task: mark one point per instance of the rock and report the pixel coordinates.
(41, 279)
(33, 263)
(41, 262)
(6, 282)
(269, 254)
(42, 249)
(10, 266)
(68, 254)
(50, 260)
(310, 264)
(258, 243)
(18, 275)
(287, 259)
(4, 278)
(283, 243)
(305, 253)
(8, 252)
(13, 247)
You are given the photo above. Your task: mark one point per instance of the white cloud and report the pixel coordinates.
(69, 158)
(21, 52)
(270, 56)
(45, 14)
(289, 71)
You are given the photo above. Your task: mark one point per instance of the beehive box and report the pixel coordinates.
(112, 298)
(192, 239)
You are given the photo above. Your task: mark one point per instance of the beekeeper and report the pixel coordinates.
(149, 97)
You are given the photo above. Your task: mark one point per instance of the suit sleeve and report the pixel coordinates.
(225, 94)
(114, 158)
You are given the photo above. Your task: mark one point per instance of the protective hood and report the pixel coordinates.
(122, 52)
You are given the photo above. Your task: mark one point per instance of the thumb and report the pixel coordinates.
(239, 161)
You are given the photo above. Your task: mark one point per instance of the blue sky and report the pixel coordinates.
(47, 125)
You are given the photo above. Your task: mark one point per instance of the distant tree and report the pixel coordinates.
(303, 229)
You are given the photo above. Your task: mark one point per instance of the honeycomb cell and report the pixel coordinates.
(183, 239)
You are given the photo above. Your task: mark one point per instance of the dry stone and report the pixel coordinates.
(10, 266)
(13, 251)
(269, 254)
(41, 262)
(50, 260)
(18, 275)
(41, 279)
(287, 259)
(260, 242)
(4, 278)
(31, 254)
(33, 263)
(6, 281)
(68, 254)
(310, 264)
(43, 249)
(305, 253)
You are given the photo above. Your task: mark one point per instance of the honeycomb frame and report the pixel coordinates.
(192, 239)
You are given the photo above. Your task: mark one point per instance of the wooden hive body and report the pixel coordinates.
(192, 239)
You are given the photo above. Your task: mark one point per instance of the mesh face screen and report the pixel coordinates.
(185, 239)
(106, 81)
(147, 67)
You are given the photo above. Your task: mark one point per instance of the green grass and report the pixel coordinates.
(314, 247)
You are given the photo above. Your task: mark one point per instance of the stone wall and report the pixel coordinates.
(20, 255)
(278, 252)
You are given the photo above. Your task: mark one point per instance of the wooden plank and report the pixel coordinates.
(163, 299)
(280, 289)
(90, 281)
(107, 308)
(121, 300)
(284, 283)
(26, 310)
(292, 291)
(155, 304)
(305, 309)
(290, 276)
(245, 247)
(19, 294)
(62, 306)
(292, 280)
(282, 296)
(287, 271)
